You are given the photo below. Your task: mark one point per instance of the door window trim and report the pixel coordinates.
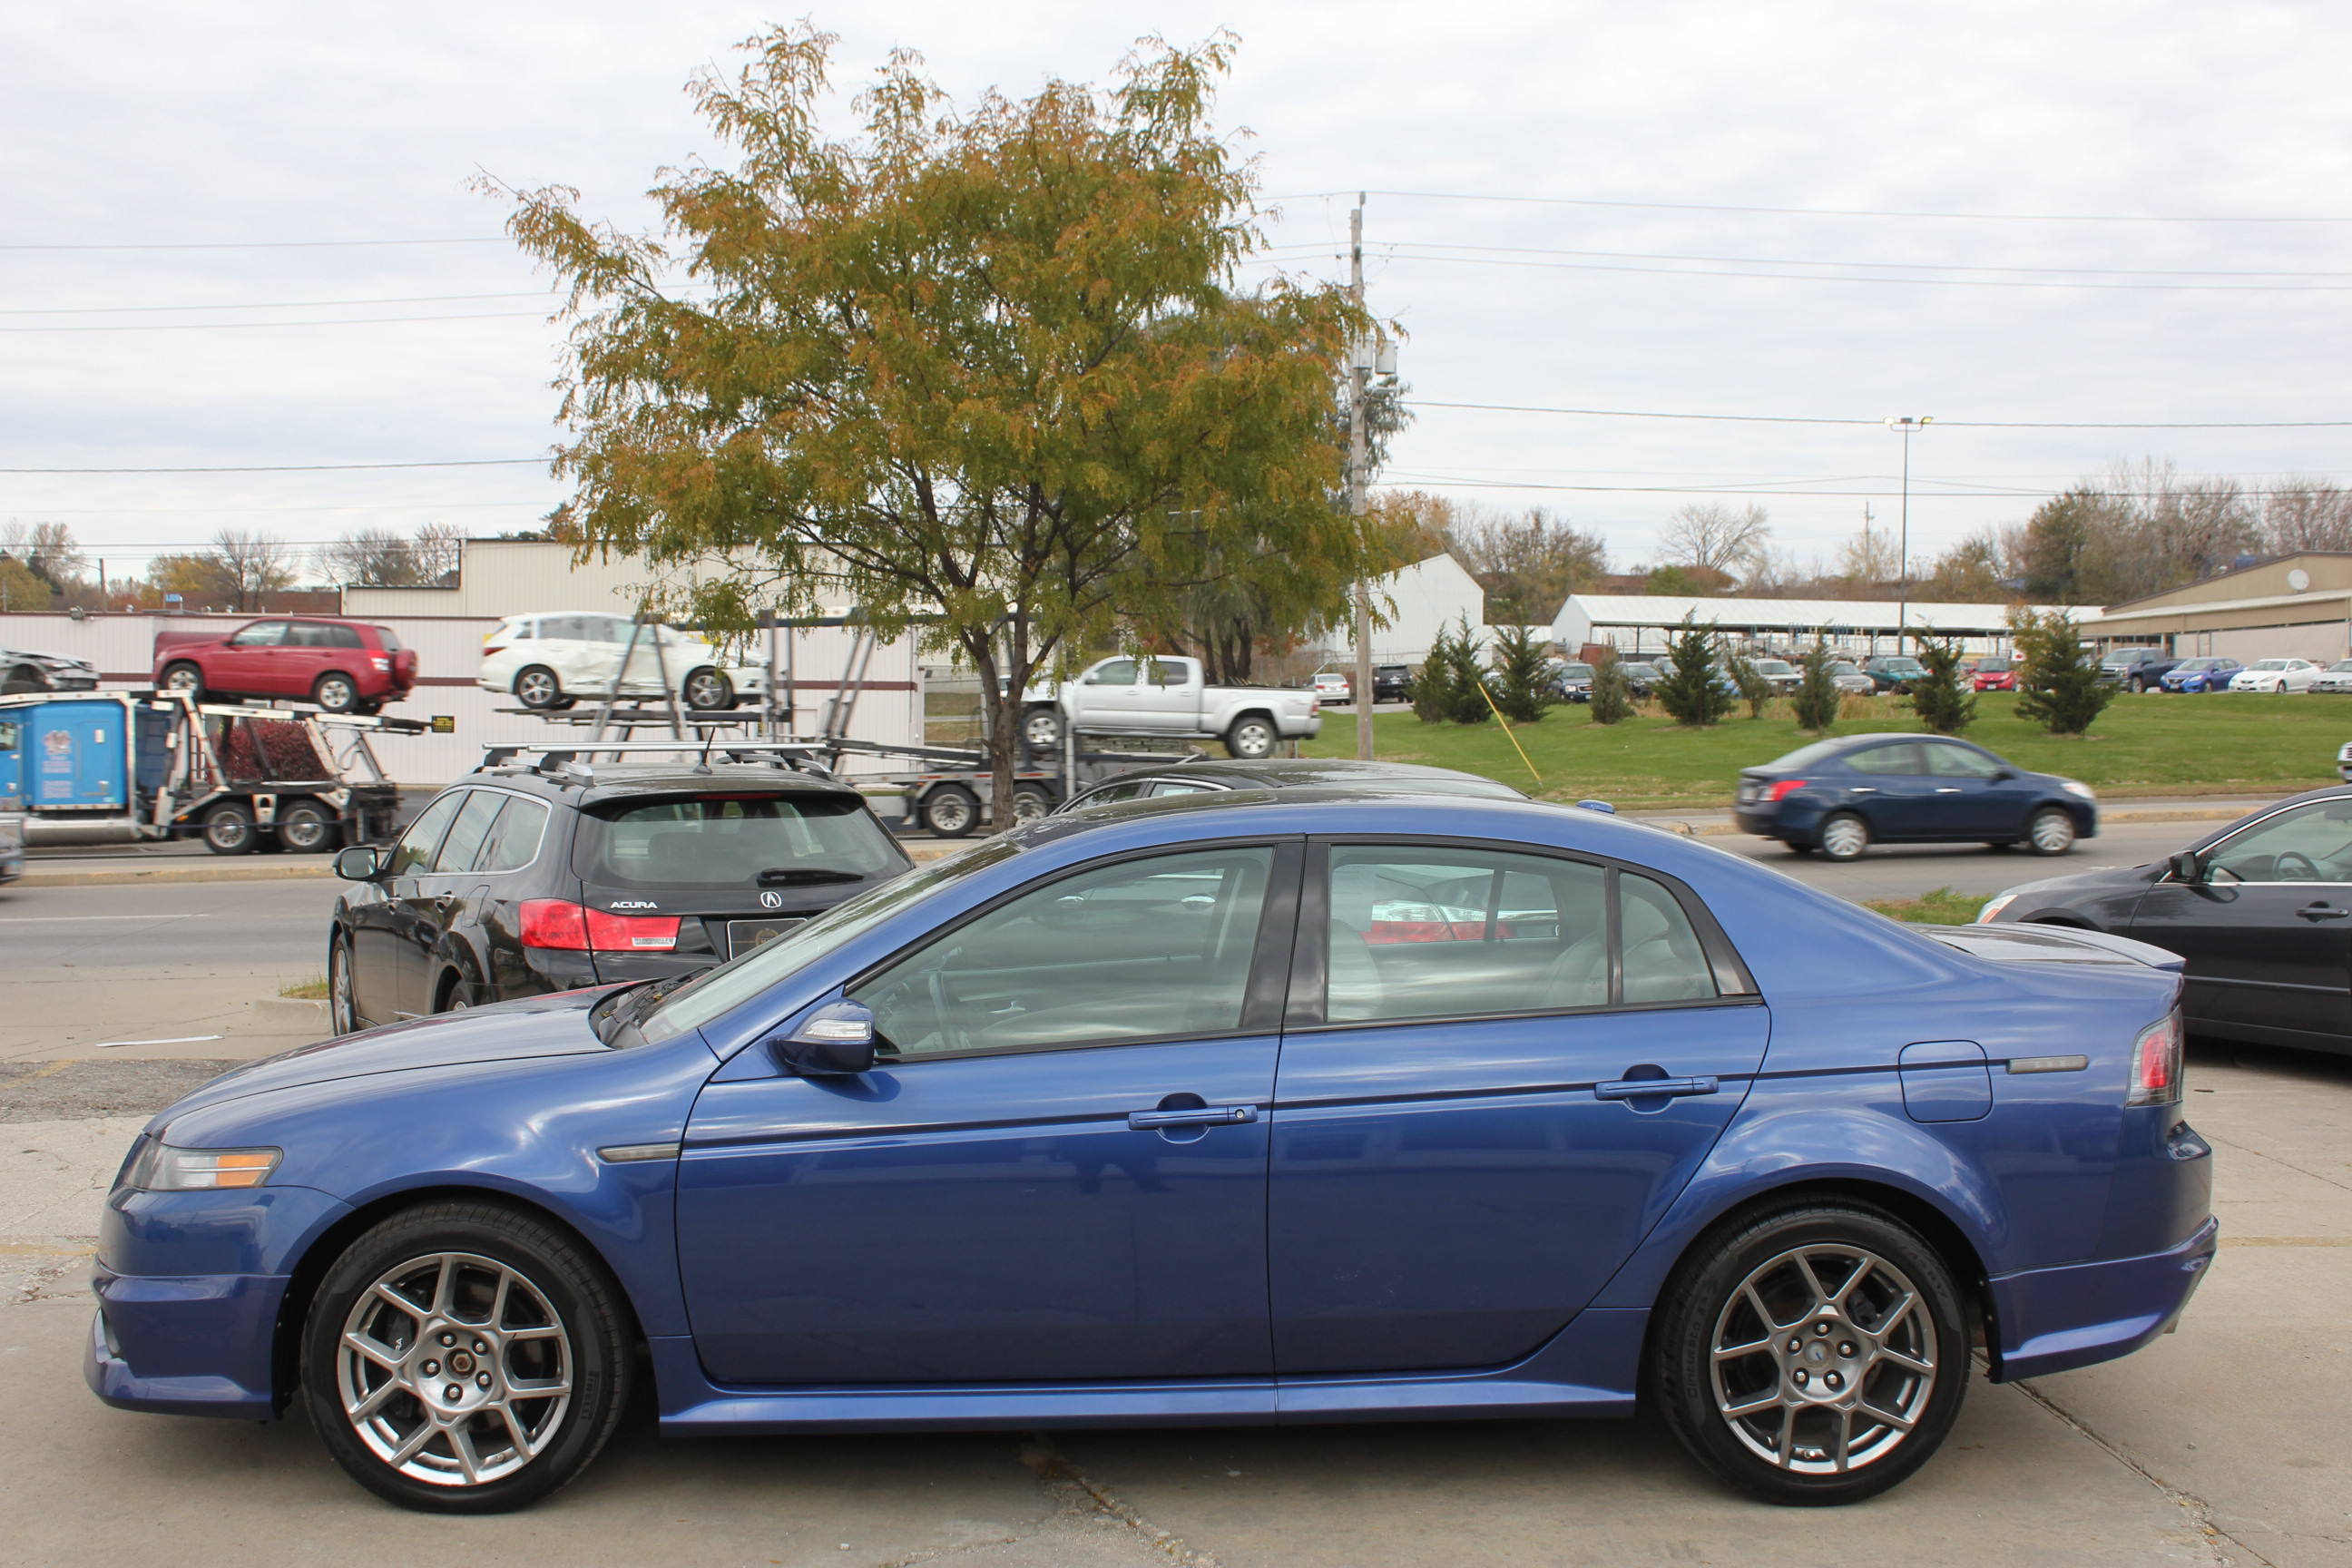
(1263, 993)
(1310, 954)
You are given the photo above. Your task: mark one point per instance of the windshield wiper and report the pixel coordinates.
(793, 875)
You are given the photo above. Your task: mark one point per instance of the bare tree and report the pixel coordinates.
(1708, 536)
(369, 558)
(47, 549)
(251, 564)
(1528, 562)
(1869, 557)
(2306, 514)
(437, 549)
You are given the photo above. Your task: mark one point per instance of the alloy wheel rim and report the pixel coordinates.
(2053, 833)
(1256, 740)
(453, 1369)
(339, 986)
(335, 694)
(1027, 806)
(1843, 838)
(1043, 732)
(1822, 1360)
(702, 691)
(950, 815)
(303, 832)
(535, 689)
(180, 680)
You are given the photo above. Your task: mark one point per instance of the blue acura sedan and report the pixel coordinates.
(1246, 1107)
(1842, 795)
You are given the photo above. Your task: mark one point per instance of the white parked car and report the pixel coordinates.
(2336, 677)
(560, 657)
(2276, 675)
(1330, 686)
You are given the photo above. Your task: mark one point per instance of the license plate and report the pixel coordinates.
(742, 936)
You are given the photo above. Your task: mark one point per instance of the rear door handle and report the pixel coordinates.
(1648, 1088)
(1947, 789)
(1206, 1116)
(2322, 912)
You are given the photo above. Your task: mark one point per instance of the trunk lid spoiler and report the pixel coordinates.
(2050, 945)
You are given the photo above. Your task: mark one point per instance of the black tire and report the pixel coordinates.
(1041, 730)
(474, 1240)
(1845, 835)
(229, 830)
(306, 827)
(457, 993)
(336, 692)
(182, 677)
(1029, 802)
(22, 679)
(2050, 831)
(535, 686)
(1797, 848)
(343, 1007)
(950, 811)
(707, 690)
(2138, 685)
(1252, 737)
(1795, 1402)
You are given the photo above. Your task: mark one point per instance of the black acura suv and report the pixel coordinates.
(523, 879)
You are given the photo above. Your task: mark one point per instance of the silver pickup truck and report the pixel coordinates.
(1163, 695)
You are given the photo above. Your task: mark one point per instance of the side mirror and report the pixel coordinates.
(2002, 775)
(835, 1041)
(360, 863)
(2186, 867)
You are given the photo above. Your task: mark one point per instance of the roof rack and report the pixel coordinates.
(556, 758)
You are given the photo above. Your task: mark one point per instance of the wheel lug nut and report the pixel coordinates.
(1835, 1382)
(1847, 1347)
(1796, 1345)
(482, 1349)
(1803, 1378)
(1821, 1329)
(449, 1339)
(483, 1381)
(432, 1369)
(455, 1390)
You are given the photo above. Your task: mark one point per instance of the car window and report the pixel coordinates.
(1993, 667)
(1117, 672)
(1140, 950)
(1169, 672)
(414, 851)
(1420, 932)
(1958, 762)
(2304, 844)
(1179, 786)
(349, 637)
(1664, 960)
(513, 842)
(261, 633)
(731, 840)
(1110, 792)
(1902, 759)
(465, 835)
(302, 634)
(562, 628)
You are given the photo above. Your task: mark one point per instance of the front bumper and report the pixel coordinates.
(2055, 1320)
(185, 1345)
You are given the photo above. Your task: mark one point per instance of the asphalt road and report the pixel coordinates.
(142, 925)
(1908, 871)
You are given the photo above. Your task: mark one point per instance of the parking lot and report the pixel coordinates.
(2225, 1442)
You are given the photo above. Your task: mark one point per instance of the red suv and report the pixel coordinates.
(344, 666)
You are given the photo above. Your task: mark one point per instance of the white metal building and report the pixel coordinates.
(1420, 601)
(1642, 623)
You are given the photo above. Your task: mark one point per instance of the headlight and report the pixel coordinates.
(160, 1168)
(1993, 906)
(2082, 791)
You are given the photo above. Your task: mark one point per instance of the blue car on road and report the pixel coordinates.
(1842, 795)
(1240, 1108)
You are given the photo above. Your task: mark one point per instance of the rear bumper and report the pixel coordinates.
(2055, 1320)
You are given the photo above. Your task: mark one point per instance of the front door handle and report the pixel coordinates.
(2322, 912)
(1204, 1116)
(1649, 1088)
(1947, 789)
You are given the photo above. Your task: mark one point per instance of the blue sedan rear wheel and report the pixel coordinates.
(466, 1357)
(1813, 1355)
(1845, 837)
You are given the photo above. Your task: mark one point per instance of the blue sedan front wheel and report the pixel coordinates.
(1811, 1356)
(466, 1357)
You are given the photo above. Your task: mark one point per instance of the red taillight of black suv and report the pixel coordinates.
(566, 927)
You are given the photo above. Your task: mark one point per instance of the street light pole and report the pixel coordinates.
(1909, 425)
(1359, 461)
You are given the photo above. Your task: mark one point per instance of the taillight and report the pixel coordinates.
(1783, 790)
(2155, 1063)
(574, 928)
(489, 647)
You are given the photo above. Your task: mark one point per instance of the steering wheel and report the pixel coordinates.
(2294, 866)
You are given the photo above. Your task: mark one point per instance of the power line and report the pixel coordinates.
(269, 304)
(269, 244)
(1396, 254)
(1940, 423)
(1798, 212)
(296, 467)
(1887, 266)
(266, 326)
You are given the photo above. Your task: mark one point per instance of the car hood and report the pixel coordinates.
(553, 1026)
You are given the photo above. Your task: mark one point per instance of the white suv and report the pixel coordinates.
(559, 658)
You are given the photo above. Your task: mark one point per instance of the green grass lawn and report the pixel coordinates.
(2150, 744)
(1938, 906)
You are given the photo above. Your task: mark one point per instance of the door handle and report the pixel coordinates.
(1947, 789)
(1206, 1116)
(1863, 789)
(2322, 912)
(1649, 1088)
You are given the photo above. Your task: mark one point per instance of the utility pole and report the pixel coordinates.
(1359, 462)
(1909, 425)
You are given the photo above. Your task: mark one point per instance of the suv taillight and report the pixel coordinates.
(561, 924)
(2155, 1063)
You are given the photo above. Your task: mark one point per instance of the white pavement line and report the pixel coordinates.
(64, 919)
(174, 1040)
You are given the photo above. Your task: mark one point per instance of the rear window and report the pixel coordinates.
(384, 636)
(731, 840)
(1806, 757)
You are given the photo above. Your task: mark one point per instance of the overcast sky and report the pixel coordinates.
(202, 143)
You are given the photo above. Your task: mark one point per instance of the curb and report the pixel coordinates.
(290, 1011)
(196, 873)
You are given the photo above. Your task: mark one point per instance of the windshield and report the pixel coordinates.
(2269, 664)
(1992, 666)
(1906, 665)
(2202, 664)
(1577, 671)
(739, 980)
(736, 839)
(1775, 667)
